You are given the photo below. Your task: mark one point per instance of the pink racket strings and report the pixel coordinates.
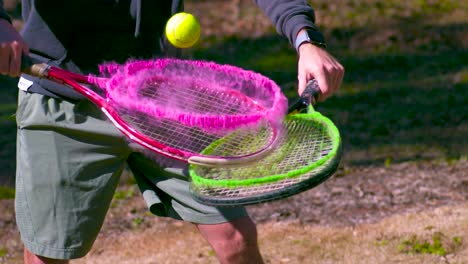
(186, 105)
(196, 93)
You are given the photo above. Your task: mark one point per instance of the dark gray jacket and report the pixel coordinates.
(79, 35)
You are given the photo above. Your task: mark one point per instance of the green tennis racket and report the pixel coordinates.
(307, 153)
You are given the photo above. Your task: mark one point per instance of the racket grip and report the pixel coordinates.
(34, 69)
(308, 97)
(311, 92)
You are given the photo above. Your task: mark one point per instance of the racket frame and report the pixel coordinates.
(73, 80)
(303, 108)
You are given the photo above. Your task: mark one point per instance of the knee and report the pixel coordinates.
(237, 234)
(234, 242)
(237, 237)
(31, 258)
(241, 232)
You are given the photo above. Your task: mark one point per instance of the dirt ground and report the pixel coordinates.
(370, 194)
(364, 198)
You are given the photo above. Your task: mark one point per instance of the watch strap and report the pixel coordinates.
(304, 37)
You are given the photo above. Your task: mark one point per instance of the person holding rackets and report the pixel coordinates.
(70, 157)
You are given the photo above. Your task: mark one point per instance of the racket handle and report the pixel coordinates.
(311, 92)
(34, 69)
(308, 97)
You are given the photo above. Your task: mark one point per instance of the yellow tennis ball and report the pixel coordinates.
(183, 30)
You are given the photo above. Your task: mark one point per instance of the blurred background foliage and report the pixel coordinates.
(404, 96)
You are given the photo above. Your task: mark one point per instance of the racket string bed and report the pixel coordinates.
(192, 139)
(195, 99)
(196, 93)
(186, 106)
(169, 132)
(304, 153)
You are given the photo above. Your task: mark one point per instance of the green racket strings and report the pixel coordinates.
(310, 142)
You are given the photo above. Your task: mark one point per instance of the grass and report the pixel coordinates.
(416, 245)
(7, 192)
(3, 252)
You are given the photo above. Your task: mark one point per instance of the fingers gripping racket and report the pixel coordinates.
(307, 154)
(177, 108)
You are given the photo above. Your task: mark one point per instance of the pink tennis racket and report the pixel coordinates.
(178, 108)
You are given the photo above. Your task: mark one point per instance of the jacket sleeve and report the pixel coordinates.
(3, 13)
(290, 16)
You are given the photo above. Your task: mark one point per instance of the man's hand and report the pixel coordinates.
(316, 62)
(12, 46)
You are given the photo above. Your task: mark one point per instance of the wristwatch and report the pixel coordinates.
(304, 37)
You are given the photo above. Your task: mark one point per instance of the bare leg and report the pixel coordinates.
(30, 258)
(233, 242)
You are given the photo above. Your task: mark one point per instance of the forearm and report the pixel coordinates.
(290, 16)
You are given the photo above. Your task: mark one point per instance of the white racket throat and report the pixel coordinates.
(231, 162)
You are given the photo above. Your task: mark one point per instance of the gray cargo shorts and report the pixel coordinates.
(69, 160)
